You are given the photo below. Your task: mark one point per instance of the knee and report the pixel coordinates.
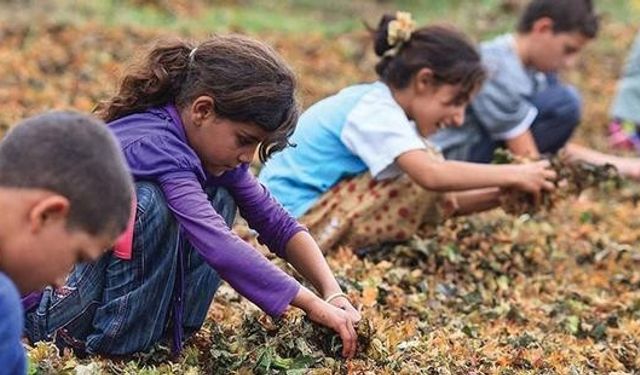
(151, 201)
(560, 104)
(154, 221)
(570, 108)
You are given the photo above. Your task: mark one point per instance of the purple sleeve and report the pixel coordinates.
(263, 213)
(242, 266)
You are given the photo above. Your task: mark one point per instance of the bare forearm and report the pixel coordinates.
(477, 200)
(523, 145)
(305, 256)
(628, 167)
(576, 152)
(459, 176)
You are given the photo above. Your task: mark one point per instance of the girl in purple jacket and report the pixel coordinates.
(189, 118)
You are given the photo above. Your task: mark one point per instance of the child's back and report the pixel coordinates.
(336, 138)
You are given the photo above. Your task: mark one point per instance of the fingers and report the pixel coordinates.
(345, 305)
(550, 174)
(548, 186)
(544, 163)
(354, 315)
(340, 319)
(349, 339)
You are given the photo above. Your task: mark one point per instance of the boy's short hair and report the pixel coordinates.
(567, 16)
(76, 156)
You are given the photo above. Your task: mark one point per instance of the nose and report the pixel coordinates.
(247, 155)
(570, 61)
(458, 116)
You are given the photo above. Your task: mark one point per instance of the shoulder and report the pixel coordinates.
(334, 108)
(12, 356)
(377, 105)
(10, 307)
(152, 123)
(507, 78)
(501, 60)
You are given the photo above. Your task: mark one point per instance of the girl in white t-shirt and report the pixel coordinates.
(362, 171)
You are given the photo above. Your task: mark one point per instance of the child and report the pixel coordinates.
(523, 106)
(55, 210)
(625, 126)
(362, 173)
(189, 119)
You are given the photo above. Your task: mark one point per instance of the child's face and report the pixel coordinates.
(436, 108)
(551, 52)
(38, 249)
(223, 144)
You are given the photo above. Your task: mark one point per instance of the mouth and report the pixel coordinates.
(441, 125)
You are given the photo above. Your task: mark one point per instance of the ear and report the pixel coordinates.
(423, 81)
(201, 109)
(48, 210)
(542, 25)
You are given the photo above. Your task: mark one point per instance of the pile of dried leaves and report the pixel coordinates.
(573, 177)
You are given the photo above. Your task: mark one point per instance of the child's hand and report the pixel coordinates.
(535, 177)
(629, 167)
(344, 304)
(329, 316)
(338, 320)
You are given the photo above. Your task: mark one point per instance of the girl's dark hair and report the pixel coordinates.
(447, 52)
(248, 80)
(567, 16)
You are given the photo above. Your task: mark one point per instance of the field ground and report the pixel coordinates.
(554, 293)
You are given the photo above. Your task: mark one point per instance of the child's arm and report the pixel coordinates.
(278, 229)
(468, 202)
(305, 256)
(242, 266)
(523, 145)
(456, 176)
(628, 167)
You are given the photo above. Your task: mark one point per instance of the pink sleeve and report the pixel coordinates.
(124, 244)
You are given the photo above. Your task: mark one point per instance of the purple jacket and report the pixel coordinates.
(155, 146)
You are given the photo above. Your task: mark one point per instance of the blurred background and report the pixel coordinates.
(69, 54)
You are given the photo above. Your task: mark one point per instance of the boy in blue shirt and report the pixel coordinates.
(57, 209)
(522, 105)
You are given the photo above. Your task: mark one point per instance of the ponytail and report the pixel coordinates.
(448, 53)
(154, 80)
(247, 79)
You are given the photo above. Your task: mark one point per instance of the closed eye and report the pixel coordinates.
(246, 140)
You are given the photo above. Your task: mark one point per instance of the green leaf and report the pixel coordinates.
(572, 324)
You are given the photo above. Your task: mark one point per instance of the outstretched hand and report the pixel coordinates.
(535, 177)
(629, 167)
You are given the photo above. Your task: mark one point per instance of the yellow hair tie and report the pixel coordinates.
(399, 31)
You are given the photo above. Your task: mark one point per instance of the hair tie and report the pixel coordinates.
(399, 32)
(192, 54)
